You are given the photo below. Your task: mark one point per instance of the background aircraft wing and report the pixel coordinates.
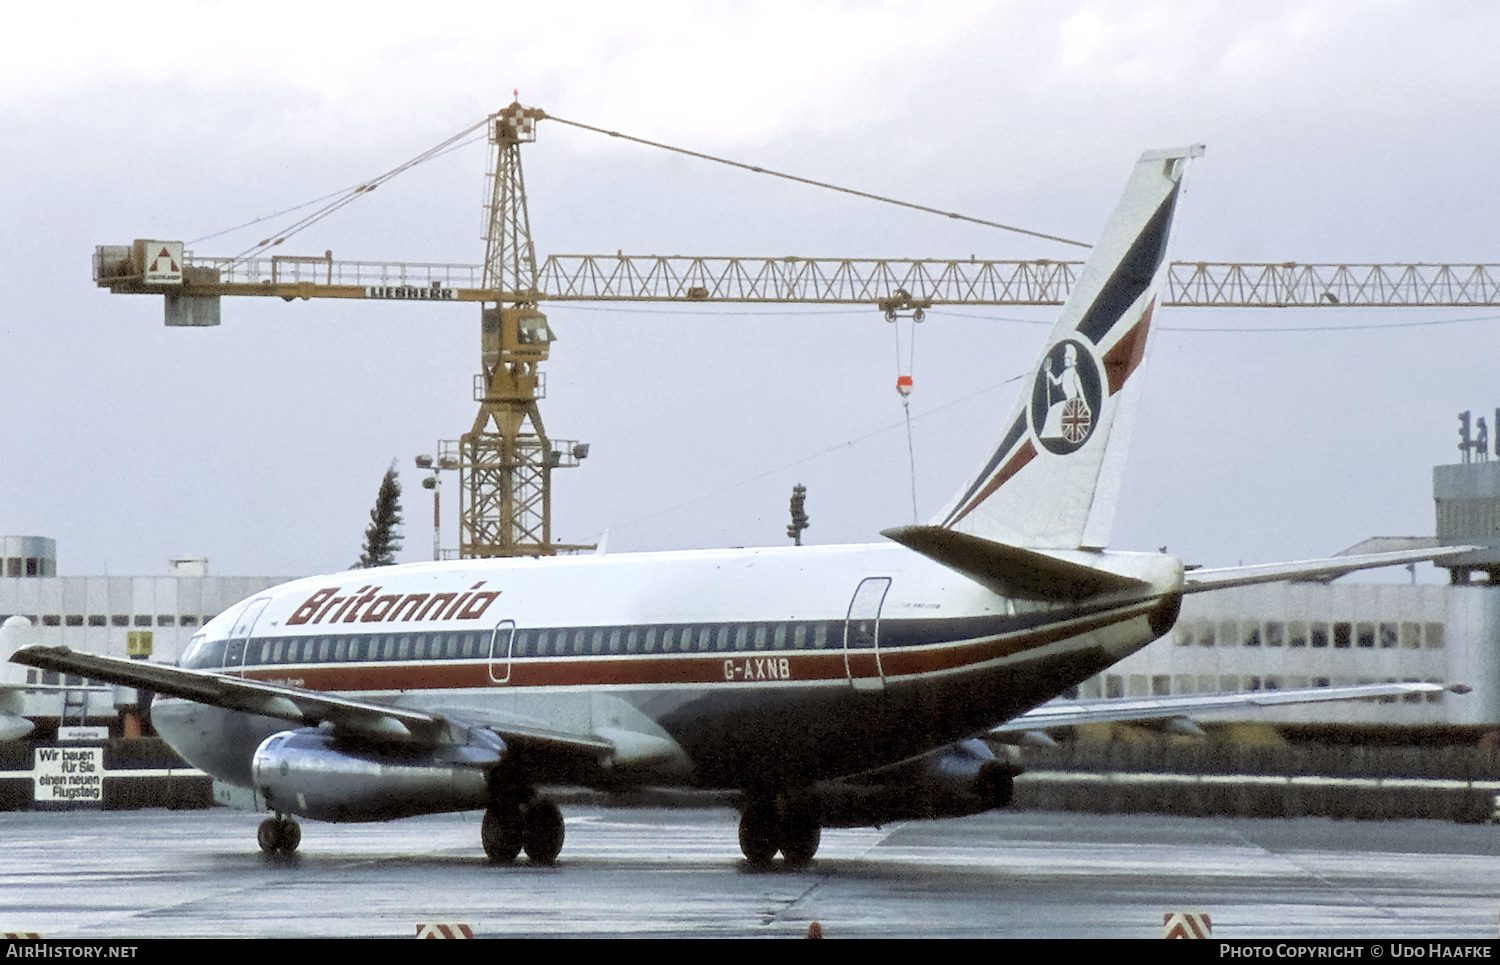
(1064, 713)
(1199, 581)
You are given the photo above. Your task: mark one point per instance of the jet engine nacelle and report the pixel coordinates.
(308, 773)
(951, 782)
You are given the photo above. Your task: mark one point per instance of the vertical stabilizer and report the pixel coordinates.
(1053, 479)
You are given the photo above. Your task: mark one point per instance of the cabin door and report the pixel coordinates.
(502, 638)
(239, 636)
(862, 634)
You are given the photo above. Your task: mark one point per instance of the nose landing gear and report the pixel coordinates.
(279, 836)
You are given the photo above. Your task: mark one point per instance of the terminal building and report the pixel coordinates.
(145, 617)
(1279, 636)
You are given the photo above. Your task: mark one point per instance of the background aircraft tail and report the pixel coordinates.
(1053, 479)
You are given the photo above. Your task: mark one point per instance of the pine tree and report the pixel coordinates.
(383, 535)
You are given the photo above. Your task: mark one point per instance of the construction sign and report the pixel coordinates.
(162, 264)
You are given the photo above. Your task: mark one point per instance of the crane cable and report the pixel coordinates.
(350, 194)
(817, 184)
(903, 387)
(344, 197)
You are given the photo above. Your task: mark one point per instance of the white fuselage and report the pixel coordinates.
(726, 668)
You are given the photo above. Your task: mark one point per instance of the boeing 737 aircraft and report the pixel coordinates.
(828, 686)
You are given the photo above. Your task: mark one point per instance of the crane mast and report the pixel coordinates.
(505, 461)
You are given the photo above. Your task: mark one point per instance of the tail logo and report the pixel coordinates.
(1066, 397)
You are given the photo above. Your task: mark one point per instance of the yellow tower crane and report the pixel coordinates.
(505, 460)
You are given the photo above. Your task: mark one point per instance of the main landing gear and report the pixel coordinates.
(511, 827)
(279, 836)
(769, 826)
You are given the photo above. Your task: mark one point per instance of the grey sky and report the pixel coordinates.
(1356, 132)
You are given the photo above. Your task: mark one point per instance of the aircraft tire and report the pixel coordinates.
(543, 835)
(758, 837)
(501, 834)
(800, 837)
(278, 836)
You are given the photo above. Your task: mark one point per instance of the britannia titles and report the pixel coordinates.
(368, 605)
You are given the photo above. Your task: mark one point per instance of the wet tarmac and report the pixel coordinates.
(656, 872)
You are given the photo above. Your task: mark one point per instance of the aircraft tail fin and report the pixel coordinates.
(1053, 479)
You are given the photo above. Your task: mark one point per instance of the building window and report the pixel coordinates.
(1114, 686)
(119, 620)
(73, 620)
(1297, 637)
(1161, 685)
(142, 620)
(51, 620)
(1319, 635)
(1411, 635)
(1364, 636)
(1275, 634)
(1250, 635)
(1343, 635)
(1434, 636)
(1229, 634)
(1229, 684)
(1388, 636)
(97, 620)
(188, 621)
(163, 620)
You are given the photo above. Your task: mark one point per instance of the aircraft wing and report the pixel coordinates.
(1064, 713)
(1199, 581)
(305, 708)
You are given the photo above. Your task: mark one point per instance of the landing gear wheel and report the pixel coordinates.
(800, 836)
(279, 836)
(501, 834)
(543, 834)
(758, 838)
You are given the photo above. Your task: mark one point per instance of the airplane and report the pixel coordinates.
(827, 686)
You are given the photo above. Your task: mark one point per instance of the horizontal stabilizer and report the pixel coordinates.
(1011, 570)
(1067, 713)
(1308, 571)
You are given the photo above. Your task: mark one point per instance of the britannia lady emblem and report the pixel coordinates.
(1065, 399)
